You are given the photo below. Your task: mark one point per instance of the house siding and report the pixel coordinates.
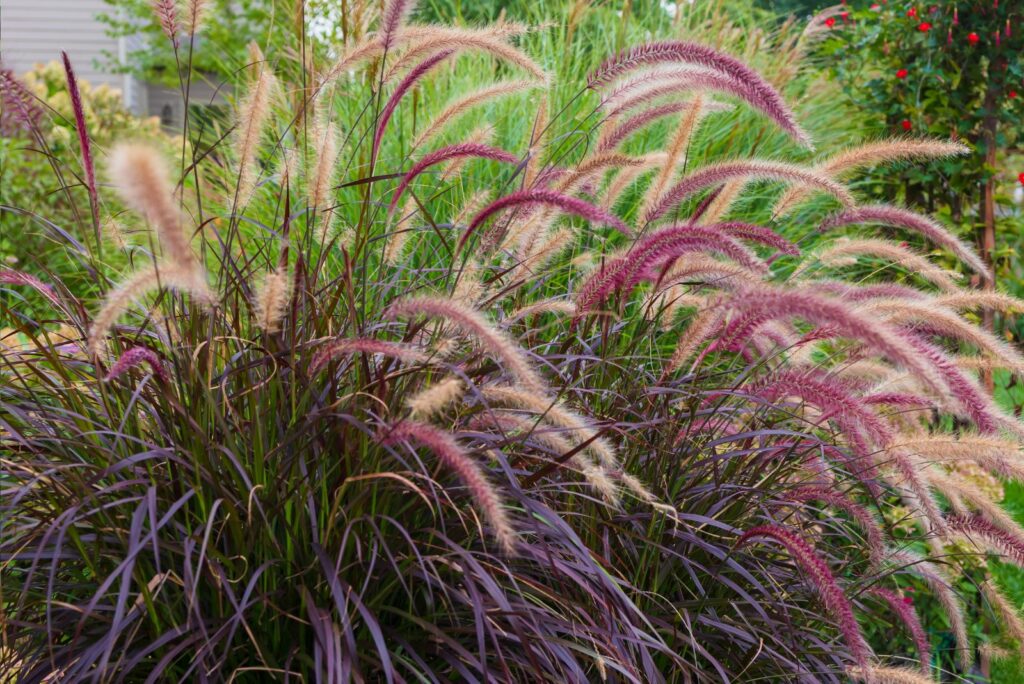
(35, 31)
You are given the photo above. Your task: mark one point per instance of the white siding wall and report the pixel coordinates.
(33, 31)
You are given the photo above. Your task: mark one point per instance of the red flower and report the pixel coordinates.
(830, 22)
(924, 27)
(1013, 94)
(906, 124)
(912, 12)
(876, 7)
(907, 600)
(902, 73)
(1020, 177)
(973, 38)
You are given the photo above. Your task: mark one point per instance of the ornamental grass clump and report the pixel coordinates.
(387, 397)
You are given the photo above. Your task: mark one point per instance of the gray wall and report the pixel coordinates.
(34, 31)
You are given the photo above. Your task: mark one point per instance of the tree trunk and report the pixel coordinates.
(988, 207)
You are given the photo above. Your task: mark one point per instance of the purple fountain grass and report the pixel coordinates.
(908, 616)
(859, 293)
(979, 529)
(618, 135)
(134, 357)
(966, 391)
(877, 674)
(865, 431)
(867, 522)
(456, 459)
(472, 322)
(139, 284)
(1008, 613)
(464, 104)
(754, 307)
(141, 176)
(941, 587)
(897, 217)
(824, 582)
(11, 277)
(444, 154)
(396, 13)
(167, 14)
(410, 80)
(195, 14)
(643, 259)
(429, 40)
(925, 315)
(898, 399)
(20, 109)
(84, 144)
(756, 233)
(720, 172)
(357, 345)
(701, 55)
(708, 81)
(540, 196)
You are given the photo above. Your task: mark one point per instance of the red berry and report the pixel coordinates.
(1013, 94)
(912, 12)
(902, 73)
(973, 38)
(924, 27)
(876, 7)
(1020, 177)
(906, 124)
(830, 22)
(907, 600)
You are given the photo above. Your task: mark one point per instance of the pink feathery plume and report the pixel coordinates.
(19, 110)
(83, 140)
(421, 70)
(864, 429)
(824, 582)
(641, 120)
(899, 399)
(860, 293)
(565, 203)
(686, 80)
(656, 249)
(396, 12)
(754, 308)
(908, 616)
(455, 458)
(443, 155)
(862, 516)
(167, 14)
(898, 217)
(9, 277)
(756, 233)
(365, 346)
(685, 52)
(720, 173)
(472, 322)
(974, 526)
(134, 357)
(965, 390)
